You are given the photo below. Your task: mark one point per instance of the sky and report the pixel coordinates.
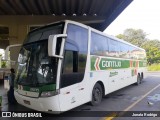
(140, 14)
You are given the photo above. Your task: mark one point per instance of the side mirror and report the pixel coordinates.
(52, 45)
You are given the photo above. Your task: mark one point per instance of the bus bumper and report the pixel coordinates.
(44, 104)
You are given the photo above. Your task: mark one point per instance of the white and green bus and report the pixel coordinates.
(66, 64)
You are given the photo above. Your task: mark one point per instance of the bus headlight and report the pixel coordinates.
(49, 93)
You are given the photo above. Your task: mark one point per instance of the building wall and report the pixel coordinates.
(19, 27)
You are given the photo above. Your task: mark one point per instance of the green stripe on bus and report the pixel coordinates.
(50, 87)
(143, 63)
(98, 63)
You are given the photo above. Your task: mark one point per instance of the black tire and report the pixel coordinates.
(138, 80)
(96, 95)
(142, 76)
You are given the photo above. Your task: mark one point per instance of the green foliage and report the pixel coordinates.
(154, 67)
(120, 36)
(151, 43)
(153, 55)
(152, 48)
(3, 64)
(138, 38)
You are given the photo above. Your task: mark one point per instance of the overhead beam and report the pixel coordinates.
(43, 19)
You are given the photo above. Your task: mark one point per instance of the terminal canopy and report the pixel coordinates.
(96, 13)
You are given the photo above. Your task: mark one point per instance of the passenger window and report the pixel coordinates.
(123, 50)
(99, 44)
(133, 52)
(114, 48)
(141, 54)
(130, 52)
(78, 36)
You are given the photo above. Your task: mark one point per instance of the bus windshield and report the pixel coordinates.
(35, 67)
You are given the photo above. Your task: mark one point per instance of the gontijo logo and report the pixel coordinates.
(106, 63)
(111, 64)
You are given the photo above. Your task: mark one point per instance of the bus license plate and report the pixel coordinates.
(27, 102)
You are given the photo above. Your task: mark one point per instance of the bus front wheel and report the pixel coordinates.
(96, 95)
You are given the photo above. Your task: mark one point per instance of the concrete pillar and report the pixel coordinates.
(17, 35)
(0, 60)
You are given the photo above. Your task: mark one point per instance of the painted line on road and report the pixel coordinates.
(131, 106)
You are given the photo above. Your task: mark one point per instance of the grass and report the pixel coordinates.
(154, 67)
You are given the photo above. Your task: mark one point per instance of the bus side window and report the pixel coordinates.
(99, 44)
(124, 50)
(130, 55)
(68, 62)
(70, 69)
(114, 48)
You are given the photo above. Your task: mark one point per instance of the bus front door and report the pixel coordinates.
(69, 81)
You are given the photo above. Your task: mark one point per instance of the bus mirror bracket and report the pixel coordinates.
(52, 44)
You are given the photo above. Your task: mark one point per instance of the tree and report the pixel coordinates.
(136, 37)
(149, 43)
(152, 48)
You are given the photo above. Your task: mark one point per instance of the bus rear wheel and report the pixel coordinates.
(138, 80)
(142, 76)
(96, 95)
